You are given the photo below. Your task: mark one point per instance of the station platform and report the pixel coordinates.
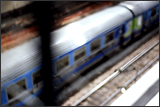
(145, 92)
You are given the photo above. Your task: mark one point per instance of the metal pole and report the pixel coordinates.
(45, 21)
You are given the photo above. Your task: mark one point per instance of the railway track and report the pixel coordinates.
(97, 97)
(115, 83)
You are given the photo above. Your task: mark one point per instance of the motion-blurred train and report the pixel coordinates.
(76, 46)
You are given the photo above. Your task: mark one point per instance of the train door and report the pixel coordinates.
(137, 26)
(127, 32)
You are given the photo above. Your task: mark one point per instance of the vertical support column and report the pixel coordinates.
(45, 21)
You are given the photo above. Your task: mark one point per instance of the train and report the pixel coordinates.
(76, 47)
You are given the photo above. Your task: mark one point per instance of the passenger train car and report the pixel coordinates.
(76, 46)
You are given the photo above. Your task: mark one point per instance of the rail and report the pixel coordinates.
(114, 75)
(132, 79)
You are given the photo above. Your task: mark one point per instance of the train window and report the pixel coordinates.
(79, 53)
(36, 78)
(16, 89)
(129, 25)
(139, 21)
(109, 37)
(120, 30)
(153, 12)
(95, 45)
(62, 63)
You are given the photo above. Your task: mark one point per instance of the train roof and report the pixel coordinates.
(22, 58)
(84, 30)
(139, 7)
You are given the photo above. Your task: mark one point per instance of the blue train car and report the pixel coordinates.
(146, 14)
(76, 47)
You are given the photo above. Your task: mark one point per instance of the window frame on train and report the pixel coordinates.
(59, 60)
(154, 10)
(139, 20)
(110, 42)
(121, 30)
(93, 42)
(25, 84)
(107, 35)
(79, 51)
(129, 25)
(35, 73)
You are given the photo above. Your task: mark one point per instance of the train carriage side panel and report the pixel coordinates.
(24, 88)
(138, 25)
(65, 48)
(127, 33)
(128, 28)
(151, 16)
(89, 28)
(112, 45)
(141, 11)
(154, 14)
(138, 22)
(3, 97)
